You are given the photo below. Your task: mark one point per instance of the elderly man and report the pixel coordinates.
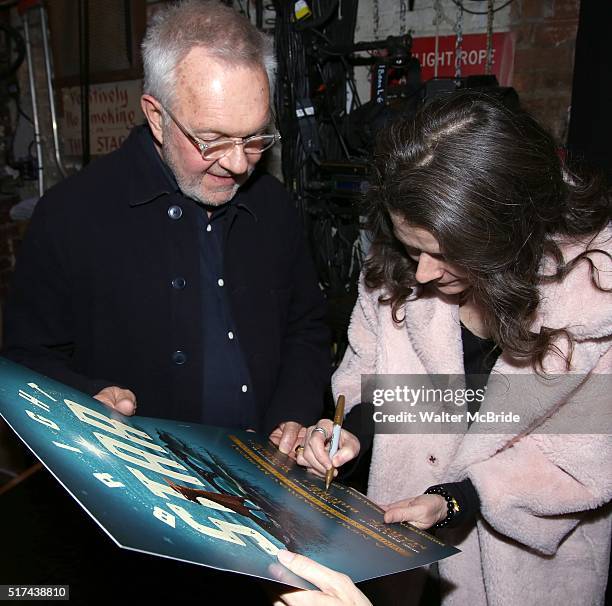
(171, 273)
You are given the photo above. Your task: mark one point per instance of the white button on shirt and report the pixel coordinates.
(220, 282)
(230, 335)
(209, 227)
(244, 389)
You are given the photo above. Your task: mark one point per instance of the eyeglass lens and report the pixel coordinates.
(256, 145)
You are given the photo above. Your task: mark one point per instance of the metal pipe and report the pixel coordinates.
(49, 71)
(37, 139)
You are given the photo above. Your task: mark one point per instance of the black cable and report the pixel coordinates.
(127, 15)
(471, 12)
(331, 115)
(24, 115)
(15, 95)
(259, 11)
(350, 78)
(244, 12)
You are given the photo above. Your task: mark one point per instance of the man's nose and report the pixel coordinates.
(429, 268)
(236, 161)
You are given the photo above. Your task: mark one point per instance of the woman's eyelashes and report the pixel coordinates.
(415, 253)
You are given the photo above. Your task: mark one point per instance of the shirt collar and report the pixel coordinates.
(151, 178)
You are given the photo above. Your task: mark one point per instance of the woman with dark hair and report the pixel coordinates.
(489, 259)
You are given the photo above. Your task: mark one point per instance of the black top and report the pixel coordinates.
(108, 291)
(479, 357)
(225, 373)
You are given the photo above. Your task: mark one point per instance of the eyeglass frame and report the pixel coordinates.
(201, 146)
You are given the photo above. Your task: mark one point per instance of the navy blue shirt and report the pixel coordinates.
(228, 396)
(227, 388)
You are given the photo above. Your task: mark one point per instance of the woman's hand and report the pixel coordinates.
(422, 512)
(336, 589)
(314, 454)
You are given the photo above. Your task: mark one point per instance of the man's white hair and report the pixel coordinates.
(208, 24)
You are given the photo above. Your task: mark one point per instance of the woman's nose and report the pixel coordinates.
(429, 268)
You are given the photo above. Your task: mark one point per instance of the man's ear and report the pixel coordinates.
(151, 108)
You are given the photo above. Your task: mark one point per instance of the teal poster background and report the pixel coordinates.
(220, 498)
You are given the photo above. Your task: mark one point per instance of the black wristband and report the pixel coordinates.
(452, 506)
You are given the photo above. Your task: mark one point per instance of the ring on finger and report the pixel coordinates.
(298, 449)
(322, 431)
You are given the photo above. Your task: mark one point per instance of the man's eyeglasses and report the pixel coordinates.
(215, 150)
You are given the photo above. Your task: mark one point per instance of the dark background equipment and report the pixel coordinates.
(329, 132)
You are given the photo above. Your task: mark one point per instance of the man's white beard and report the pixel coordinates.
(192, 186)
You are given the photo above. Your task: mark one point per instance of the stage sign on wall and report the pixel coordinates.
(114, 109)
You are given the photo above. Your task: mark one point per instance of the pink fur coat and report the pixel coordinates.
(543, 534)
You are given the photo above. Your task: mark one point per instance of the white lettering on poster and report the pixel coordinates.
(67, 447)
(114, 426)
(128, 451)
(34, 400)
(226, 531)
(146, 459)
(44, 393)
(164, 516)
(157, 488)
(42, 420)
(107, 480)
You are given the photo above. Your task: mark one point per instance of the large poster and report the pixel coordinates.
(224, 499)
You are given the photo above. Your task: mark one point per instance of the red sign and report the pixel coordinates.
(473, 56)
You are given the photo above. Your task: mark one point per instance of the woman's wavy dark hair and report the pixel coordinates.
(489, 184)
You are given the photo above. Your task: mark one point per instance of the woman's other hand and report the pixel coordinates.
(422, 512)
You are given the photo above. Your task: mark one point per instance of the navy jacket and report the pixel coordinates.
(94, 299)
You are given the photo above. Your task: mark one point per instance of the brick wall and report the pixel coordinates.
(544, 60)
